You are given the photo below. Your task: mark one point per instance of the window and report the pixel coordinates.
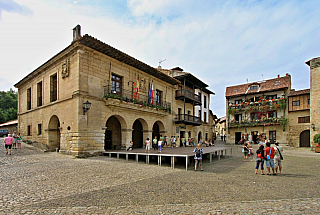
(254, 87)
(205, 116)
(296, 103)
(29, 130)
(271, 97)
(199, 114)
(308, 101)
(305, 119)
(200, 97)
(238, 102)
(116, 85)
(39, 129)
(238, 117)
(272, 136)
(272, 114)
(254, 116)
(158, 98)
(39, 94)
(29, 99)
(205, 101)
(53, 88)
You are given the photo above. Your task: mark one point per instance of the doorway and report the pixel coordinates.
(305, 138)
(237, 137)
(137, 134)
(54, 133)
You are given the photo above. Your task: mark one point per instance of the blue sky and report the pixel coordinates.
(224, 43)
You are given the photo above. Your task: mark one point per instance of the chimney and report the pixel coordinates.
(287, 74)
(278, 76)
(77, 33)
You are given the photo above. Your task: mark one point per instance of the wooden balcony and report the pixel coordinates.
(188, 96)
(187, 119)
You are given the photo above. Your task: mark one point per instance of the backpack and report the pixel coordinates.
(198, 153)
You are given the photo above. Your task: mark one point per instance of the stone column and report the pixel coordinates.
(126, 137)
(314, 98)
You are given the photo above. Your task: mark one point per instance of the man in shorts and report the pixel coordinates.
(269, 156)
(277, 158)
(8, 143)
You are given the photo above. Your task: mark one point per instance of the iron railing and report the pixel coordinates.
(187, 118)
(128, 95)
(188, 94)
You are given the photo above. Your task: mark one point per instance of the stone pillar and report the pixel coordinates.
(314, 98)
(126, 137)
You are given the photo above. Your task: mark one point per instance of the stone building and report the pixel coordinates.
(258, 110)
(299, 118)
(220, 127)
(314, 65)
(91, 97)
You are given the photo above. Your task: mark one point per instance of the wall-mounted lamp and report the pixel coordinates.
(86, 107)
(313, 126)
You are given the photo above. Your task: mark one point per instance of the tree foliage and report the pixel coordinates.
(8, 105)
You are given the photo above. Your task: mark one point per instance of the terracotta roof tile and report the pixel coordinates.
(264, 86)
(299, 92)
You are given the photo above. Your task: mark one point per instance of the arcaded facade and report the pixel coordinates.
(129, 101)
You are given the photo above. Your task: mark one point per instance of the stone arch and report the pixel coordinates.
(304, 138)
(157, 129)
(113, 134)
(138, 128)
(54, 133)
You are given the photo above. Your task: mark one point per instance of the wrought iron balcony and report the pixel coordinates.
(189, 96)
(187, 119)
(129, 96)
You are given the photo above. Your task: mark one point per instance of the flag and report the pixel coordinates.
(149, 94)
(152, 99)
(135, 94)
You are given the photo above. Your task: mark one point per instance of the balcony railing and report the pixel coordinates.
(261, 105)
(189, 95)
(187, 119)
(129, 96)
(257, 122)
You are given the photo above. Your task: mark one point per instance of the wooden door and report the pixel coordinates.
(305, 138)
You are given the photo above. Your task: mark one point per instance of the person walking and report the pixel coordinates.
(165, 143)
(269, 156)
(212, 141)
(174, 141)
(245, 151)
(147, 145)
(8, 141)
(198, 157)
(278, 158)
(260, 159)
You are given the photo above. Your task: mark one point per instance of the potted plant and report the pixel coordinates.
(316, 139)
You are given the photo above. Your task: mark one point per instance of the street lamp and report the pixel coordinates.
(86, 107)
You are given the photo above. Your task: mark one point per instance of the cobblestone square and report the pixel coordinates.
(34, 182)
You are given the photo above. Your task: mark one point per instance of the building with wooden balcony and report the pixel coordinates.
(91, 97)
(258, 110)
(299, 118)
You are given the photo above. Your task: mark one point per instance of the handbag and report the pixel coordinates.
(280, 153)
(268, 156)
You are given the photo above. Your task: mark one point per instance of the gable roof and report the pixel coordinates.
(106, 49)
(264, 86)
(299, 92)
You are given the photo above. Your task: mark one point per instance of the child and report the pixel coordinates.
(159, 145)
(198, 157)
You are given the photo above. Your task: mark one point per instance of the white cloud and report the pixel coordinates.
(222, 43)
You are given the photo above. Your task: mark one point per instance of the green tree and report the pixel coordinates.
(8, 105)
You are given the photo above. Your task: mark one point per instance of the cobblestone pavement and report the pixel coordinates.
(33, 182)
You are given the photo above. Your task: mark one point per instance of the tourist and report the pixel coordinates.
(224, 138)
(174, 141)
(8, 141)
(200, 141)
(147, 145)
(198, 157)
(19, 141)
(14, 136)
(160, 145)
(260, 159)
(277, 158)
(212, 141)
(130, 146)
(155, 143)
(165, 140)
(183, 139)
(245, 150)
(171, 142)
(269, 156)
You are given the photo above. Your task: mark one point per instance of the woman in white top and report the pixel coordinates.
(147, 145)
